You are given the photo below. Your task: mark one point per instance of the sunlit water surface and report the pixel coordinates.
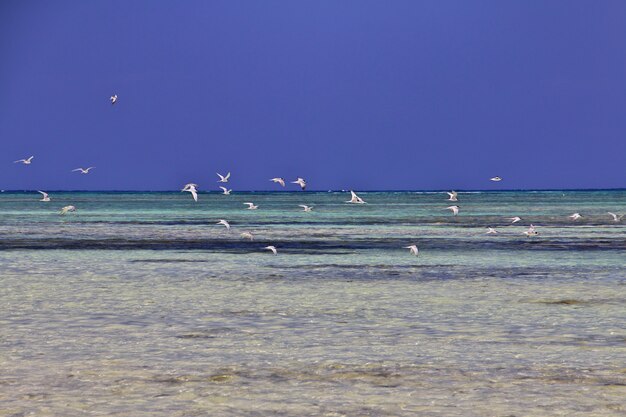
(138, 304)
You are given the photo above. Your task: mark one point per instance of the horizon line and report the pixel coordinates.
(442, 190)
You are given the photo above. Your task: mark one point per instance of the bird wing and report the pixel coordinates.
(194, 194)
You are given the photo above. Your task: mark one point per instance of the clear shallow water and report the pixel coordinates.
(139, 305)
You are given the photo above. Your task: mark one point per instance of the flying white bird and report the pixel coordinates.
(225, 191)
(83, 170)
(113, 98)
(491, 231)
(191, 188)
(251, 206)
(224, 223)
(279, 180)
(531, 231)
(223, 178)
(247, 235)
(454, 209)
(45, 197)
(453, 196)
(27, 161)
(575, 216)
(616, 217)
(272, 248)
(496, 179)
(301, 182)
(305, 207)
(355, 199)
(67, 209)
(514, 219)
(412, 249)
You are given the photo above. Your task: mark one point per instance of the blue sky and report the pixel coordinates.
(348, 94)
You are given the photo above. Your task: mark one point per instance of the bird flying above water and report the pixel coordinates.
(222, 177)
(531, 231)
(45, 196)
(224, 223)
(279, 180)
(191, 188)
(412, 249)
(67, 209)
(26, 161)
(83, 170)
(301, 182)
(355, 199)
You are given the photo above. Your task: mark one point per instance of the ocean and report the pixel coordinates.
(138, 304)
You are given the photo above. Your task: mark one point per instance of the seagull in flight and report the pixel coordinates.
(514, 219)
(412, 249)
(616, 217)
(575, 216)
(225, 190)
(67, 209)
(251, 206)
(247, 235)
(222, 177)
(531, 231)
(83, 170)
(355, 199)
(301, 182)
(305, 207)
(496, 179)
(491, 231)
(454, 209)
(113, 98)
(272, 248)
(224, 223)
(453, 196)
(45, 196)
(26, 161)
(279, 180)
(192, 189)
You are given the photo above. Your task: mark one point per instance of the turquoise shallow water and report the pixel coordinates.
(138, 304)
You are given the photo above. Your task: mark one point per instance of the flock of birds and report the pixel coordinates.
(354, 199)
